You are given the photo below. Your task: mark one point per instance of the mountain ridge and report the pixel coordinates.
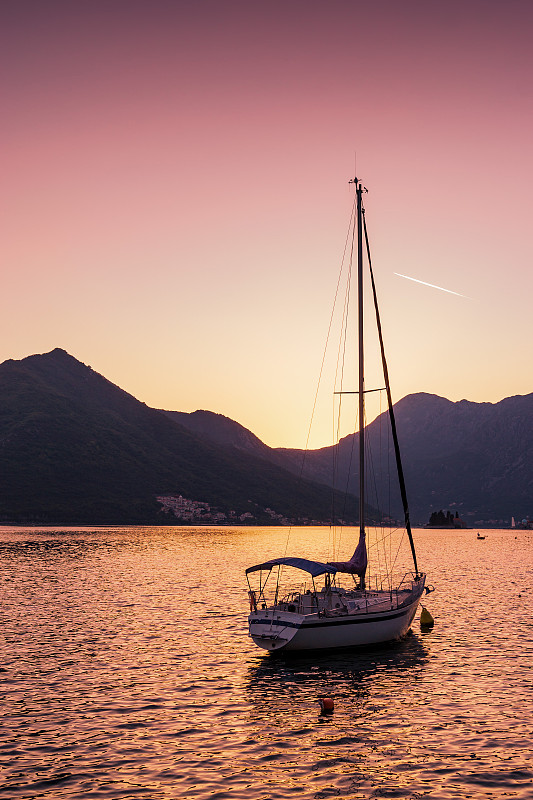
(474, 458)
(74, 447)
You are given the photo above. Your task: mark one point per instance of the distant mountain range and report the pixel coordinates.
(76, 448)
(472, 458)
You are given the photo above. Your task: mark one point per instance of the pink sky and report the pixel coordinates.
(175, 194)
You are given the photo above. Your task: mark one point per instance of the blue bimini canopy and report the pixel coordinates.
(314, 568)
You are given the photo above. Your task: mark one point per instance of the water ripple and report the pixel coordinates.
(126, 672)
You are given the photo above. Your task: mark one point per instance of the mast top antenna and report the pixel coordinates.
(359, 184)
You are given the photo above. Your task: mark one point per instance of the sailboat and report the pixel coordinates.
(323, 613)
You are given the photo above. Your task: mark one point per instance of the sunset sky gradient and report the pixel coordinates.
(175, 194)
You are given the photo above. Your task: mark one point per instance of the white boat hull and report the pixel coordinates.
(274, 630)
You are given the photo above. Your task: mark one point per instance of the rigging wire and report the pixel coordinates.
(383, 542)
(339, 379)
(341, 352)
(321, 371)
(399, 467)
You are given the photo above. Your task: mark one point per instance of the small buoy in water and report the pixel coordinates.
(426, 620)
(326, 704)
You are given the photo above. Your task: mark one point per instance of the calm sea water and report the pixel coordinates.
(126, 672)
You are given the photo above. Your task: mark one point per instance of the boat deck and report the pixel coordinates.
(338, 602)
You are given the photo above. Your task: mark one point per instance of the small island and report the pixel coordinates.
(441, 519)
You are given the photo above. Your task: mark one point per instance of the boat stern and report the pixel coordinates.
(273, 630)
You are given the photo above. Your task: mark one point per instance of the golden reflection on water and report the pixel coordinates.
(127, 672)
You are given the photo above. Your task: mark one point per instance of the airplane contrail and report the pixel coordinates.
(430, 284)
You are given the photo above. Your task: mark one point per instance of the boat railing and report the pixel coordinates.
(408, 587)
(398, 590)
(304, 602)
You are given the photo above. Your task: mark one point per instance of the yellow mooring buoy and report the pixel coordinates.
(426, 620)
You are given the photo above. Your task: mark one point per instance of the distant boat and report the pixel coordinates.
(479, 537)
(331, 615)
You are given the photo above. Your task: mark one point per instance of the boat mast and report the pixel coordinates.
(359, 192)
